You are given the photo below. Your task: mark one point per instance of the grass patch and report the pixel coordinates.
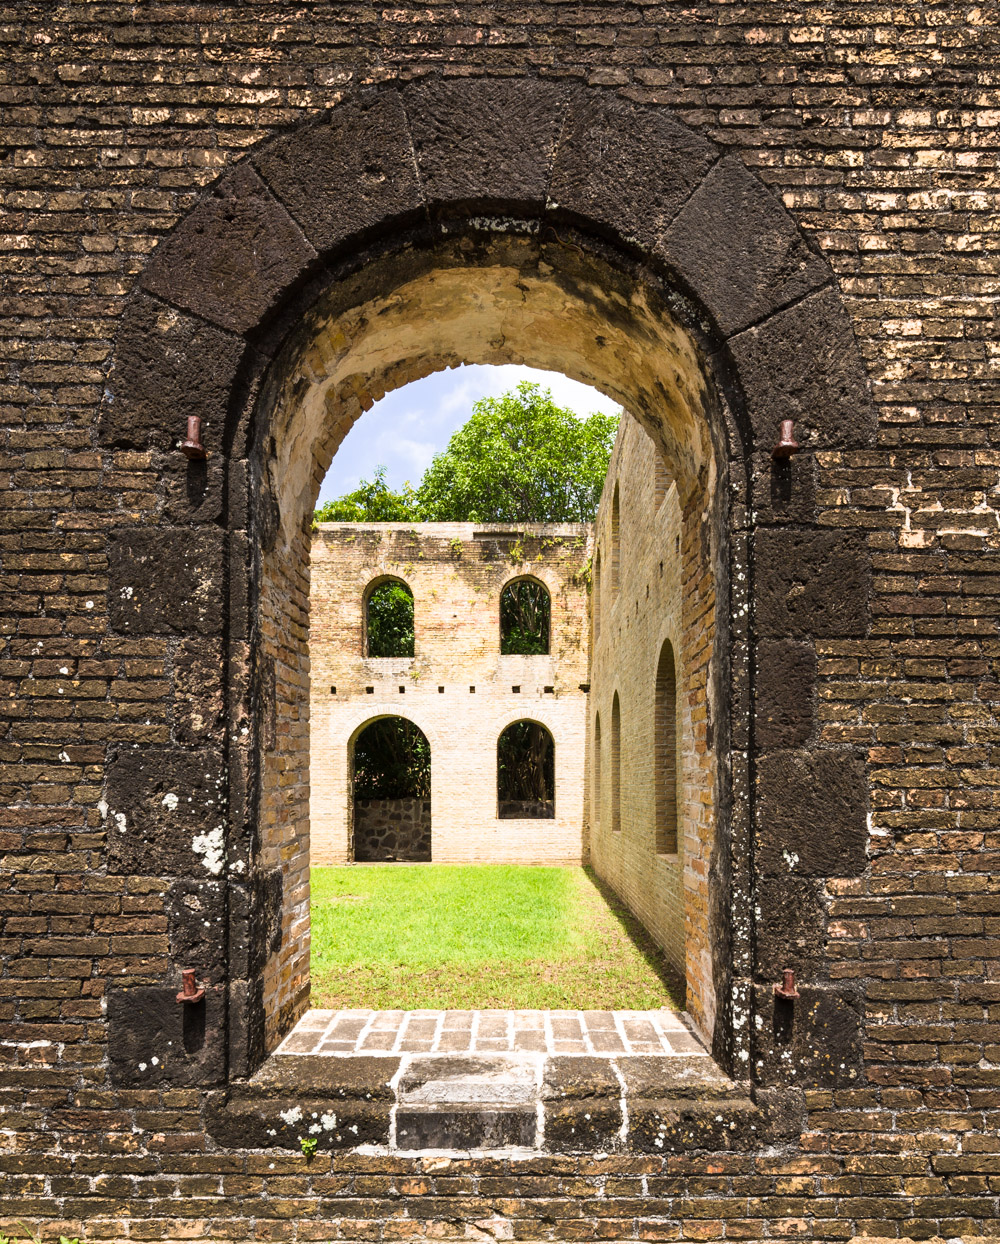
(399, 936)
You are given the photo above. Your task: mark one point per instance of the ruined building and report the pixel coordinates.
(457, 685)
(769, 233)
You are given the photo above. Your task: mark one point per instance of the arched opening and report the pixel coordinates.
(596, 798)
(525, 617)
(616, 765)
(391, 792)
(374, 281)
(435, 310)
(661, 479)
(389, 621)
(526, 772)
(665, 726)
(616, 548)
(596, 607)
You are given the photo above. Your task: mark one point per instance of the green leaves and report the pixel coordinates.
(518, 458)
(373, 501)
(390, 620)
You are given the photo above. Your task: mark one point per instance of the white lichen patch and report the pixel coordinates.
(290, 1116)
(210, 847)
(170, 801)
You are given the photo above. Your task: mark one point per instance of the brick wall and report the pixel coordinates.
(659, 599)
(877, 129)
(456, 572)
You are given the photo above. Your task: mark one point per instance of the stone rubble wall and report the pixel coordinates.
(392, 829)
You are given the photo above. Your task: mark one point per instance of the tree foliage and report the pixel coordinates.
(373, 501)
(518, 458)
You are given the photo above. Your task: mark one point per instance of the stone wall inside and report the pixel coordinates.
(392, 829)
(457, 688)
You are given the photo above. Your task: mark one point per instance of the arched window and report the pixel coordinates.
(597, 594)
(661, 477)
(596, 801)
(615, 544)
(665, 725)
(616, 765)
(526, 772)
(525, 614)
(389, 619)
(391, 778)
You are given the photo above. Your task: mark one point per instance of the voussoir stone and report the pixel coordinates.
(232, 256)
(483, 142)
(347, 173)
(168, 366)
(734, 244)
(803, 364)
(626, 169)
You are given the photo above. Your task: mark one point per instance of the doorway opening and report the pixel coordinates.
(526, 772)
(502, 609)
(391, 793)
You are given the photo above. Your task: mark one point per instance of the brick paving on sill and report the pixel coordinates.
(491, 1032)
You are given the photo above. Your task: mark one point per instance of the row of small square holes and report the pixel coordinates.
(472, 690)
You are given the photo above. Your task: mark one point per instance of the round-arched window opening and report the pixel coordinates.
(391, 768)
(526, 772)
(525, 616)
(389, 620)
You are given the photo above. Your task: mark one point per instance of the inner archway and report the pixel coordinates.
(391, 792)
(515, 298)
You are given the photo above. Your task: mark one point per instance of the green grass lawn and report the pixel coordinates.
(461, 936)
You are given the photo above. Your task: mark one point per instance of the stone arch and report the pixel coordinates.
(598, 197)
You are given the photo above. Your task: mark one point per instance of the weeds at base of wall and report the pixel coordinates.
(30, 1237)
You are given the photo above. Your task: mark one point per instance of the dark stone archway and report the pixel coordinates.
(578, 171)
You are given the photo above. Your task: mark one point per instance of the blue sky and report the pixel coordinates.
(410, 425)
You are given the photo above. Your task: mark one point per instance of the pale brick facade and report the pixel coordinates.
(456, 572)
(630, 624)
